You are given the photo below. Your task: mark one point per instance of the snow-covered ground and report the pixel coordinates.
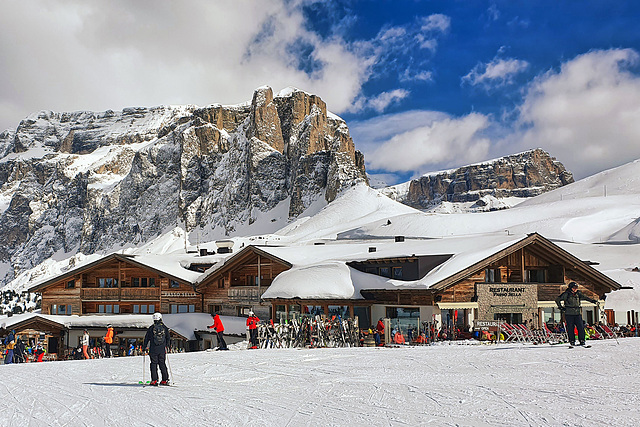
(440, 385)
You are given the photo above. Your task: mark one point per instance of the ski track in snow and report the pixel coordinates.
(440, 385)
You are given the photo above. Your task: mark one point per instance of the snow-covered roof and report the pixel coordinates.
(320, 271)
(170, 265)
(184, 324)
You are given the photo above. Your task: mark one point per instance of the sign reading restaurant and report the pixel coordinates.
(496, 299)
(504, 291)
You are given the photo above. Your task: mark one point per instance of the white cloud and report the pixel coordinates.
(409, 75)
(443, 141)
(498, 72)
(382, 101)
(68, 55)
(430, 26)
(436, 22)
(588, 113)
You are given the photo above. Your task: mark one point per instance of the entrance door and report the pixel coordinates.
(52, 345)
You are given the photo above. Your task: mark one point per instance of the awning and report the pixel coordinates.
(552, 304)
(456, 305)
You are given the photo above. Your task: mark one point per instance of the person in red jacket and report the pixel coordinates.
(379, 332)
(219, 330)
(252, 324)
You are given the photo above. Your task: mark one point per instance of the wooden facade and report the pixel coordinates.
(237, 286)
(117, 284)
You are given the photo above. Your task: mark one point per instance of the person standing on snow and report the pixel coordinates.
(10, 343)
(379, 332)
(85, 344)
(219, 330)
(158, 339)
(572, 311)
(108, 340)
(252, 324)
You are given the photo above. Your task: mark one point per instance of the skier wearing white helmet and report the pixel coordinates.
(158, 339)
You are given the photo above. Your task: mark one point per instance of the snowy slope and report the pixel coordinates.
(441, 385)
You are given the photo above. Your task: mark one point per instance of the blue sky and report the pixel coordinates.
(423, 85)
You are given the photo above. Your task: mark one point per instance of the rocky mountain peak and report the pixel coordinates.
(89, 182)
(526, 174)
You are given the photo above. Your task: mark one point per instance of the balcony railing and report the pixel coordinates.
(245, 293)
(112, 294)
(139, 293)
(116, 294)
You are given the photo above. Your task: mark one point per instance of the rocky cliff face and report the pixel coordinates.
(526, 174)
(86, 182)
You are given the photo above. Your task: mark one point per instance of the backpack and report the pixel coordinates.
(159, 336)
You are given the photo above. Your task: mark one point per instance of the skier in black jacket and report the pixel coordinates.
(158, 339)
(573, 312)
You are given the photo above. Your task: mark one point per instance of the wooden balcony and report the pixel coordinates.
(120, 294)
(245, 294)
(129, 294)
(100, 294)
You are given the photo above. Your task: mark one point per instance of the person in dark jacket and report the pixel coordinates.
(157, 338)
(219, 330)
(572, 311)
(10, 343)
(20, 352)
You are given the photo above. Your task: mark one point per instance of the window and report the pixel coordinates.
(404, 318)
(174, 284)
(181, 308)
(62, 309)
(397, 272)
(107, 282)
(143, 309)
(492, 275)
(109, 308)
(536, 276)
(136, 309)
(339, 310)
(371, 270)
(385, 271)
(54, 309)
(143, 282)
(135, 282)
(116, 309)
(364, 316)
(152, 308)
(243, 310)
(71, 284)
(294, 311)
(101, 308)
(313, 310)
(152, 282)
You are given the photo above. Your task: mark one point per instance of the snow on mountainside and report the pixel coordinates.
(89, 182)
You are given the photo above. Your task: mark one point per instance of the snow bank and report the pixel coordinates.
(442, 385)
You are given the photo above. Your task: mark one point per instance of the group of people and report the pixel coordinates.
(16, 351)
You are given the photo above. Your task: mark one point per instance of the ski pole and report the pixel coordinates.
(170, 372)
(143, 375)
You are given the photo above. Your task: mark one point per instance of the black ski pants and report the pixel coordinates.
(222, 345)
(574, 320)
(158, 359)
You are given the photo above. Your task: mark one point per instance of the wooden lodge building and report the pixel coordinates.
(471, 278)
(484, 277)
(120, 284)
